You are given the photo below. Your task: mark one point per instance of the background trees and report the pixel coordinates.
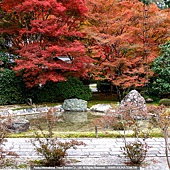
(47, 42)
(117, 38)
(40, 32)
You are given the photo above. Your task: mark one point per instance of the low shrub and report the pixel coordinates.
(165, 102)
(126, 122)
(52, 149)
(135, 151)
(10, 87)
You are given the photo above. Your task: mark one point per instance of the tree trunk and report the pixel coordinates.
(119, 94)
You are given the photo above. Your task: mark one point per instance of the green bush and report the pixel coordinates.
(165, 102)
(74, 88)
(52, 92)
(46, 93)
(10, 87)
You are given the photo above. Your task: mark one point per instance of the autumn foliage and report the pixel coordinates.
(118, 32)
(41, 33)
(122, 37)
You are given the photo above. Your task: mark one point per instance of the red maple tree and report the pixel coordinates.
(45, 33)
(116, 32)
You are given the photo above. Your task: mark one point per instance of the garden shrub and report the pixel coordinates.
(165, 102)
(135, 151)
(46, 93)
(10, 87)
(51, 148)
(74, 88)
(52, 92)
(127, 121)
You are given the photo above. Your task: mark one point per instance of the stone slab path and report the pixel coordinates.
(101, 151)
(95, 147)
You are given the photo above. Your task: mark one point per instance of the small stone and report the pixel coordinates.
(149, 100)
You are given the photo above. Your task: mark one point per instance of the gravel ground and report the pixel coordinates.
(154, 163)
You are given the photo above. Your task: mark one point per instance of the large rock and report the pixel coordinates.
(77, 105)
(16, 125)
(135, 100)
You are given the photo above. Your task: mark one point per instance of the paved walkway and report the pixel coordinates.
(95, 147)
(97, 151)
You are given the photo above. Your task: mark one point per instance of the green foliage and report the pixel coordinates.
(165, 102)
(160, 3)
(74, 88)
(165, 3)
(161, 68)
(6, 59)
(52, 92)
(147, 2)
(13, 90)
(10, 87)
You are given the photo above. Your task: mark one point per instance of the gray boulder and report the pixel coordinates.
(77, 105)
(134, 100)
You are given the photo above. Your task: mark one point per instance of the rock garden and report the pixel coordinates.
(131, 120)
(84, 84)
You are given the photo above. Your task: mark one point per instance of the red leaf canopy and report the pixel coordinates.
(40, 32)
(117, 35)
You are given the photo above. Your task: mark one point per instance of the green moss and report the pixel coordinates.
(165, 102)
(91, 134)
